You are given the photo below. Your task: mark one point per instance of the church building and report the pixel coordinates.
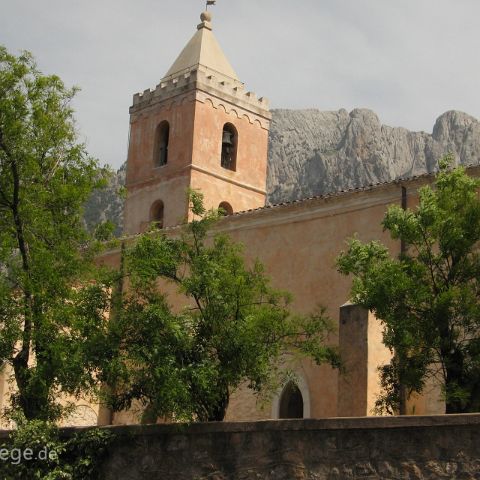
(200, 128)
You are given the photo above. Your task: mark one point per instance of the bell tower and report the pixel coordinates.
(199, 128)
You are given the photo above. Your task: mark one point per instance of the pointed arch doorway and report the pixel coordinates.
(293, 401)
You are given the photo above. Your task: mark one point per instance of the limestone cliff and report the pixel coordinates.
(313, 153)
(107, 204)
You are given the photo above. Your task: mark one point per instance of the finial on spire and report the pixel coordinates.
(206, 16)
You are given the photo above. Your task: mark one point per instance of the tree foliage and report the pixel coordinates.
(36, 449)
(45, 252)
(428, 298)
(232, 327)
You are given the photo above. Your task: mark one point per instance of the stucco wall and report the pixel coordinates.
(358, 448)
(196, 121)
(245, 187)
(298, 244)
(147, 183)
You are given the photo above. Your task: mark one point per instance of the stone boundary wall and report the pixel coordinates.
(436, 447)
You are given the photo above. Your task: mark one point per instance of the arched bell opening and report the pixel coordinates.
(157, 214)
(225, 209)
(162, 138)
(229, 147)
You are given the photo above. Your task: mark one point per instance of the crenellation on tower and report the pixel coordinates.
(202, 78)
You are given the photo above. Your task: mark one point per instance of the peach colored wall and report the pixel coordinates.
(378, 355)
(243, 188)
(172, 192)
(196, 127)
(243, 405)
(5, 391)
(431, 400)
(86, 413)
(214, 192)
(298, 245)
(180, 116)
(146, 183)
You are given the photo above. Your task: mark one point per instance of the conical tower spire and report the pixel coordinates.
(203, 50)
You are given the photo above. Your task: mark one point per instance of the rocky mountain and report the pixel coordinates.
(314, 153)
(107, 204)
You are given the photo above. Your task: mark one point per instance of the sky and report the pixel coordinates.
(408, 60)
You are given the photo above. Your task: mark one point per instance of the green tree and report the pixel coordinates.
(428, 298)
(234, 328)
(45, 252)
(36, 449)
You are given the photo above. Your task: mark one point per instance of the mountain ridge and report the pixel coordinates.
(313, 152)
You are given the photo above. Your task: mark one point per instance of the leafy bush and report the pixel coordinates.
(37, 450)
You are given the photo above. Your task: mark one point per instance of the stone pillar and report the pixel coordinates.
(362, 351)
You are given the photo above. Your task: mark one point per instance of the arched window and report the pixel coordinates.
(162, 136)
(291, 402)
(229, 147)
(226, 208)
(156, 214)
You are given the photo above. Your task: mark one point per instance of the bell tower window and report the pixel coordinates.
(225, 209)
(229, 147)
(156, 214)
(162, 135)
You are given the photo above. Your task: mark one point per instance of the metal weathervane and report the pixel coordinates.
(211, 2)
